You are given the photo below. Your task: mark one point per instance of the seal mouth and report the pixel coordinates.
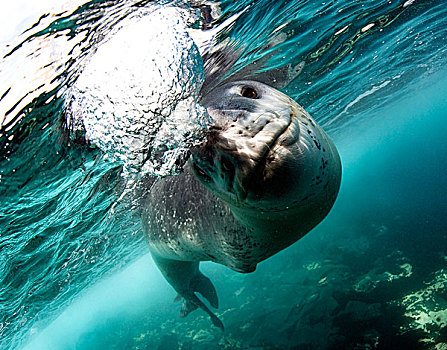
(284, 136)
(231, 161)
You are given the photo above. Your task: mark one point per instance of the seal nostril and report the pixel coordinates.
(249, 92)
(204, 176)
(228, 167)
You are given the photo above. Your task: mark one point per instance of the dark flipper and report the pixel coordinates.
(187, 308)
(186, 279)
(202, 284)
(193, 299)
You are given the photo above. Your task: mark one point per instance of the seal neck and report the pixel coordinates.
(280, 229)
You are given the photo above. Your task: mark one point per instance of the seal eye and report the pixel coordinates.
(249, 92)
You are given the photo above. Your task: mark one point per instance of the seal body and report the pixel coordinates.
(266, 176)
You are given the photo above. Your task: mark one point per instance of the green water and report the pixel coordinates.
(74, 267)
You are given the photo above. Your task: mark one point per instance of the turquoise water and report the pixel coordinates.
(74, 267)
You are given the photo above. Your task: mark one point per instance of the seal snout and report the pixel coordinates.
(220, 169)
(254, 146)
(249, 121)
(235, 153)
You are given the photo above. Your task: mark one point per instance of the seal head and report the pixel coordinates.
(264, 151)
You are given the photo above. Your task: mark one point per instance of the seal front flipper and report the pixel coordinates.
(186, 278)
(202, 284)
(192, 302)
(205, 287)
(195, 300)
(187, 308)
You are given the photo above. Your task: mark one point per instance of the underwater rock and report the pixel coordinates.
(401, 269)
(427, 307)
(361, 310)
(203, 336)
(169, 341)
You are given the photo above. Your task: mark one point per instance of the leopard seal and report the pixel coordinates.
(266, 175)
